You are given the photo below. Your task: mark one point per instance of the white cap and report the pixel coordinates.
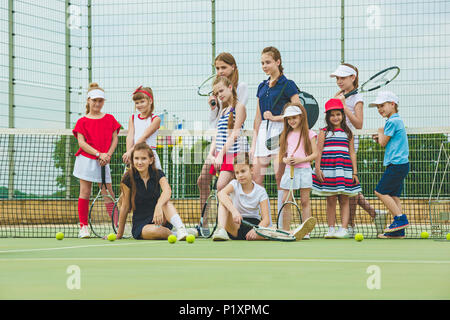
(384, 96)
(343, 71)
(96, 93)
(292, 111)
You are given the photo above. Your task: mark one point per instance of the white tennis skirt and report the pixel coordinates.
(90, 170)
(264, 133)
(302, 178)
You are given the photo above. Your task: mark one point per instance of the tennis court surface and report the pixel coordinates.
(207, 270)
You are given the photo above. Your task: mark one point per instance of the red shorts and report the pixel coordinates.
(227, 164)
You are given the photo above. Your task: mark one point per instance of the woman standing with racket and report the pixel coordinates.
(226, 66)
(143, 126)
(297, 149)
(146, 191)
(272, 95)
(347, 79)
(336, 171)
(97, 137)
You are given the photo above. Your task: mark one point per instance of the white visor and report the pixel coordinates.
(292, 111)
(343, 71)
(384, 96)
(96, 93)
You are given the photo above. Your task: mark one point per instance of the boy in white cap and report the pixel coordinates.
(393, 137)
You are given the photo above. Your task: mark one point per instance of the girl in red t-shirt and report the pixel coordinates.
(97, 137)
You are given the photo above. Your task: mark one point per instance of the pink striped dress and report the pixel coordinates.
(336, 166)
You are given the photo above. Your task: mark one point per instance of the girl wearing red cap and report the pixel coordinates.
(347, 78)
(336, 172)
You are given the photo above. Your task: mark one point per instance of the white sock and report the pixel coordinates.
(176, 221)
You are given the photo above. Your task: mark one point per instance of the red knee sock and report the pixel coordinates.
(83, 211)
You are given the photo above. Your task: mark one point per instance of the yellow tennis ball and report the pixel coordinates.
(172, 239)
(448, 236)
(111, 236)
(424, 235)
(359, 237)
(60, 236)
(190, 238)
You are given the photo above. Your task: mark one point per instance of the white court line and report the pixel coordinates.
(235, 260)
(74, 247)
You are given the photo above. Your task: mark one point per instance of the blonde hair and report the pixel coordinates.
(227, 82)
(304, 132)
(92, 86)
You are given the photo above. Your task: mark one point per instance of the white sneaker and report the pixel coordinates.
(380, 221)
(220, 235)
(341, 234)
(181, 234)
(306, 237)
(192, 231)
(84, 233)
(305, 228)
(330, 234)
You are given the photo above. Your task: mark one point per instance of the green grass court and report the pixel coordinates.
(207, 270)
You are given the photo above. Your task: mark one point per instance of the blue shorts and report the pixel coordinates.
(391, 183)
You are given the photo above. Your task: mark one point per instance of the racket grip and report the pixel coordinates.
(292, 171)
(213, 103)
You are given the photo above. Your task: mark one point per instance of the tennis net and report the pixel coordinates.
(38, 193)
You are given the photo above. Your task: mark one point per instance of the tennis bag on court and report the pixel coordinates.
(312, 110)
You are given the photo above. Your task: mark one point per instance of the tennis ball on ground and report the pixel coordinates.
(111, 236)
(359, 237)
(190, 238)
(172, 238)
(448, 236)
(424, 235)
(60, 236)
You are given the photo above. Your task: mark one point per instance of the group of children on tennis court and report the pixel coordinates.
(146, 191)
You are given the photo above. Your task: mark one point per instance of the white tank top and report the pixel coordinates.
(140, 124)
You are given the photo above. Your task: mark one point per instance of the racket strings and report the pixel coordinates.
(289, 216)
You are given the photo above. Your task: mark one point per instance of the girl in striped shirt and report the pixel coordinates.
(225, 146)
(336, 172)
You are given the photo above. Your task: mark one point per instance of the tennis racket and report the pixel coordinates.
(378, 80)
(289, 216)
(271, 234)
(205, 88)
(115, 217)
(208, 219)
(101, 209)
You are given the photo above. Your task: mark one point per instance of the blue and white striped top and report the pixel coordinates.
(223, 132)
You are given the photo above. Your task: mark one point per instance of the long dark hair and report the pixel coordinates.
(343, 124)
(132, 170)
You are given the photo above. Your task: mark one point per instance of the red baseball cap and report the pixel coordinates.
(334, 104)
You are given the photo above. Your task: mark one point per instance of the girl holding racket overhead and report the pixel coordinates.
(226, 66)
(347, 79)
(272, 95)
(143, 126)
(297, 149)
(96, 133)
(146, 191)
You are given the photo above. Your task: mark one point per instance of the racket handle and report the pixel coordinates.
(292, 172)
(213, 102)
(351, 93)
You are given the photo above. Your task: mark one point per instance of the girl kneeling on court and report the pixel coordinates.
(153, 213)
(242, 198)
